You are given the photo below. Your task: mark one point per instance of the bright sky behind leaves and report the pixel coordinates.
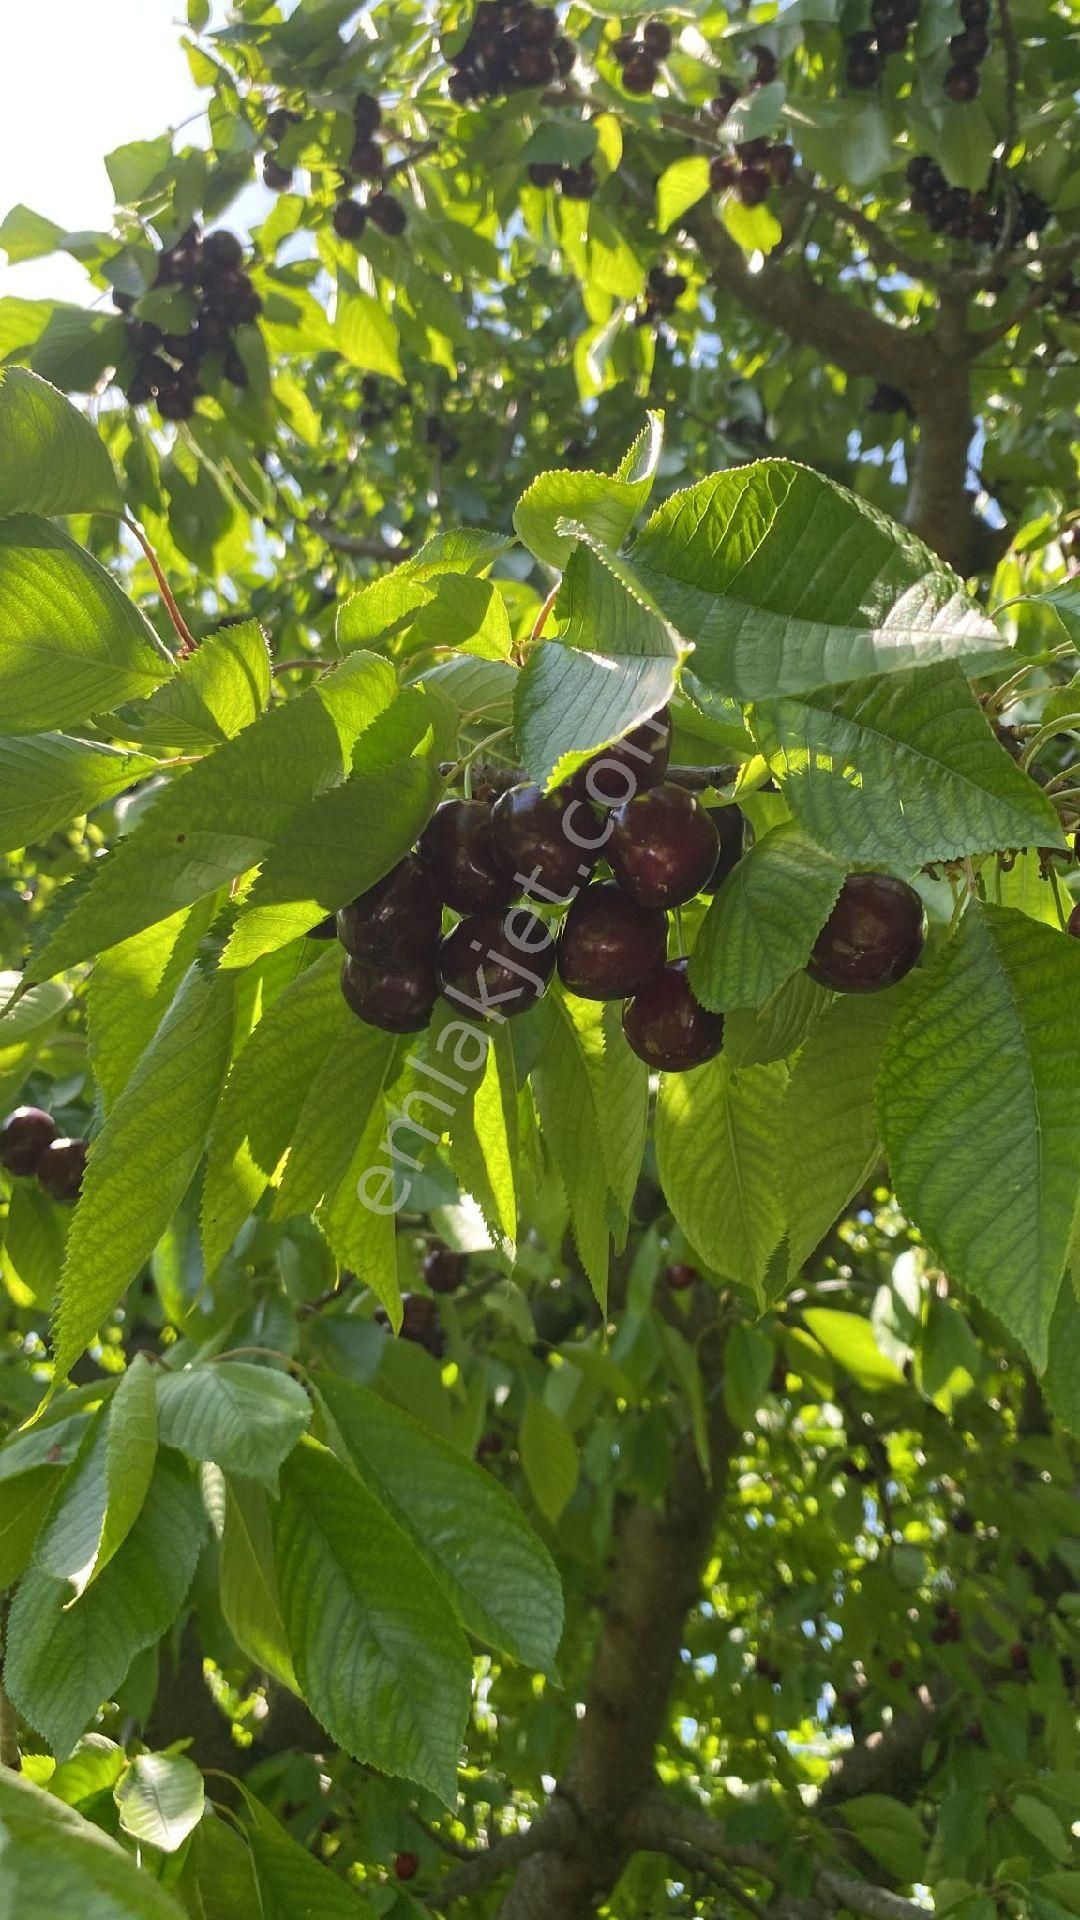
(81, 77)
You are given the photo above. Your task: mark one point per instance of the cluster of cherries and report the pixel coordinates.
(639, 55)
(574, 183)
(969, 49)
(751, 168)
(664, 291)
(367, 162)
(512, 45)
(892, 22)
(32, 1146)
(166, 365)
(662, 847)
(444, 1272)
(981, 216)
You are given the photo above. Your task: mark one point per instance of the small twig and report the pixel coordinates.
(188, 642)
(541, 619)
(1012, 74)
(697, 779)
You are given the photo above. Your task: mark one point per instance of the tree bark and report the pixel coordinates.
(659, 1560)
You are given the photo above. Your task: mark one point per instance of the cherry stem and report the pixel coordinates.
(541, 619)
(1063, 918)
(188, 642)
(679, 935)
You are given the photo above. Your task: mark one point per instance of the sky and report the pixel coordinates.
(84, 76)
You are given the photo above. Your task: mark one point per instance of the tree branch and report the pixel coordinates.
(663, 1826)
(364, 546)
(551, 1831)
(1012, 75)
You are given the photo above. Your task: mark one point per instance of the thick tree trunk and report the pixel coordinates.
(657, 1577)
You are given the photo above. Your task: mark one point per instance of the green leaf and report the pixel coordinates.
(1061, 1382)
(606, 505)
(263, 1097)
(244, 1418)
(142, 1161)
(33, 1246)
(71, 643)
(386, 606)
(902, 771)
(62, 1662)
(763, 921)
(591, 1089)
(219, 690)
(24, 1502)
(754, 229)
(56, 1863)
(223, 815)
(134, 168)
(346, 839)
(716, 1151)
(292, 1883)
(474, 1538)
(160, 1799)
(381, 1664)
(965, 146)
(613, 664)
(48, 778)
(24, 1029)
(131, 989)
(51, 459)
(829, 1137)
(890, 1831)
(217, 1881)
(977, 1104)
(849, 1340)
(775, 1030)
(26, 235)
(680, 187)
(735, 564)
(1042, 1823)
(365, 336)
(103, 1495)
(549, 1458)
(483, 1127)
(249, 1594)
(402, 1119)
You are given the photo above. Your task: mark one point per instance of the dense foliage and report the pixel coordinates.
(539, 1155)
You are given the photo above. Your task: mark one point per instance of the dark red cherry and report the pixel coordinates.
(544, 842)
(873, 936)
(731, 832)
(406, 1866)
(444, 1270)
(630, 766)
(1072, 924)
(667, 1027)
(24, 1137)
(962, 84)
(398, 920)
(497, 963)
(663, 847)
(399, 1001)
(459, 848)
(60, 1169)
(609, 945)
(419, 1322)
(679, 1276)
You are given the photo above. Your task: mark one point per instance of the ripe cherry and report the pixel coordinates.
(60, 1169)
(388, 214)
(752, 186)
(400, 1001)
(24, 1137)
(553, 836)
(731, 832)
(609, 945)
(873, 936)
(459, 847)
(663, 847)
(420, 1323)
(962, 84)
(275, 176)
(406, 1866)
(497, 963)
(679, 1276)
(1019, 1658)
(632, 765)
(349, 219)
(656, 36)
(895, 1669)
(444, 1270)
(397, 921)
(667, 1027)
(223, 249)
(639, 75)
